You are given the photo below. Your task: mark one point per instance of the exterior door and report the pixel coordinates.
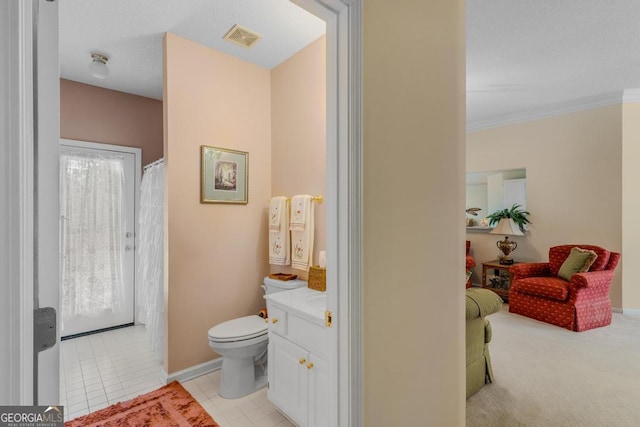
(97, 233)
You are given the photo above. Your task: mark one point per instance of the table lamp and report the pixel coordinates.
(507, 227)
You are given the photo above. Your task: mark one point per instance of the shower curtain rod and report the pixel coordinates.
(156, 162)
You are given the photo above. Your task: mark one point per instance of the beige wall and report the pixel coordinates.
(574, 182)
(414, 135)
(298, 134)
(90, 113)
(216, 254)
(630, 203)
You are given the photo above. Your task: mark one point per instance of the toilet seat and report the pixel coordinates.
(240, 329)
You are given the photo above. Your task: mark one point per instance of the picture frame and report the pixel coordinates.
(224, 175)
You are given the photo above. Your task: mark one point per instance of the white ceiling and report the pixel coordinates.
(522, 56)
(130, 33)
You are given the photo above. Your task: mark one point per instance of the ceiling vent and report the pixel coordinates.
(242, 36)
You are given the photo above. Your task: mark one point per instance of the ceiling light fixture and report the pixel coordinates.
(98, 66)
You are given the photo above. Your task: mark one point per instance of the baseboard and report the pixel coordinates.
(194, 371)
(628, 311)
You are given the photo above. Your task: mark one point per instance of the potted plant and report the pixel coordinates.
(516, 213)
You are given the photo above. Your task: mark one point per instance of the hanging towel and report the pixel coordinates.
(279, 240)
(300, 205)
(302, 230)
(277, 205)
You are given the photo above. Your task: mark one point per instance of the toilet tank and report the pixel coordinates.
(272, 286)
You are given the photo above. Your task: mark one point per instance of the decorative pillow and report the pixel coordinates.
(578, 261)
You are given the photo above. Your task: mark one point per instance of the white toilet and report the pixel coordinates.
(242, 343)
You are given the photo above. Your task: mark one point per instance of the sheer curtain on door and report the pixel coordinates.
(150, 271)
(91, 198)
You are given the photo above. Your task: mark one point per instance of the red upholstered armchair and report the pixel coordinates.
(470, 263)
(580, 304)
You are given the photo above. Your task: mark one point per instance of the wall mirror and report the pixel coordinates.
(490, 191)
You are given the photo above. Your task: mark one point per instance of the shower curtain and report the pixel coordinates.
(150, 270)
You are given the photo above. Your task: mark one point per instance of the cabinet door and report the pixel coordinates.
(288, 378)
(318, 393)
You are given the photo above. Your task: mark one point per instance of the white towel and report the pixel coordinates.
(302, 230)
(279, 241)
(300, 205)
(277, 205)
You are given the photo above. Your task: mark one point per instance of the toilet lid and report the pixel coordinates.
(243, 328)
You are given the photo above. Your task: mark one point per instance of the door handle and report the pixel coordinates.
(129, 248)
(128, 234)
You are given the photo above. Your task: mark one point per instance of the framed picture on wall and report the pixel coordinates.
(224, 175)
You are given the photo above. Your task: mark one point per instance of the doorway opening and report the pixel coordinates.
(344, 19)
(99, 187)
(98, 204)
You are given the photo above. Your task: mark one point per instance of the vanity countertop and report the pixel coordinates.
(308, 303)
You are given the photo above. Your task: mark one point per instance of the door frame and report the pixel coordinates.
(30, 127)
(137, 177)
(16, 201)
(46, 125)
(344, 193)
(344, 204)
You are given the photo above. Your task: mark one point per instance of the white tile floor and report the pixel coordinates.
(102, 369)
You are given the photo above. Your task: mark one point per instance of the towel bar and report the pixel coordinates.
(317, 199)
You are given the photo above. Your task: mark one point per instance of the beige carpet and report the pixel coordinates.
(551, 377)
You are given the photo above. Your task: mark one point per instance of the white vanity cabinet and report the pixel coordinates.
(297, 370)
(318, 393)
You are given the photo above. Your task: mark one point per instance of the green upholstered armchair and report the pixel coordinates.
(480, 303)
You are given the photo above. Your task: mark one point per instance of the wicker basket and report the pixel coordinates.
(317, 278)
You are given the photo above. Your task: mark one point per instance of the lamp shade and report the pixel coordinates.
(506, 226)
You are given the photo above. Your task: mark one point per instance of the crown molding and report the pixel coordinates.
(575, 105)
(631, 96)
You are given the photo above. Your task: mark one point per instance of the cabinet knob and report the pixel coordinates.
(274, 320)
(302, 360)
(309, 365)
(266, 320)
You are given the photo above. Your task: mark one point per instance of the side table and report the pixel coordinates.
(497, 278)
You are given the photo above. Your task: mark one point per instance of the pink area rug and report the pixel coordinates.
(170, 405)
